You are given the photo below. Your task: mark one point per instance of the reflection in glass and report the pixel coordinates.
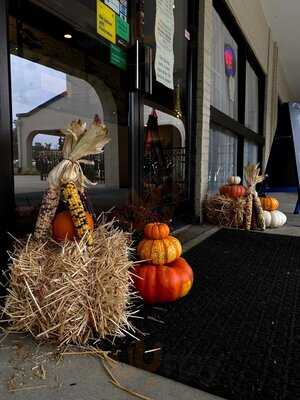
(250, 153)
(164, 162)
(220, 87)
(55, 81)
(222, 157)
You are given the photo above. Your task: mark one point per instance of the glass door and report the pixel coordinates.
(166, 167)
(69, 63)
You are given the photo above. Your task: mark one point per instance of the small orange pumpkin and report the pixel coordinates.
(156, 230)
(269, 203)
(160, 251)
(63, 227)
(163, 283)
(233, 191)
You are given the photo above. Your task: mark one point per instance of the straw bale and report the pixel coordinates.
(225, 211)
(61, 292)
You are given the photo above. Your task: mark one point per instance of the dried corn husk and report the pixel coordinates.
(79, 143)
(248, 211)
(254, 212)
(259, 212)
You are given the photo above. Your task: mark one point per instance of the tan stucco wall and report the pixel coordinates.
(285, 92)
(249, 15)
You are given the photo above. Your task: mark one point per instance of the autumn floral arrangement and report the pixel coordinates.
(237, 205)
(70, 280)
(133, 218)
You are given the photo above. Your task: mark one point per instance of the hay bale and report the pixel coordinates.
(224, 211)
(60, 292)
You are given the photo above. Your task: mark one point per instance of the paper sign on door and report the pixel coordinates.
(164, 37)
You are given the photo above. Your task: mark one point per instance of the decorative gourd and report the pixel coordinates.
(234, 180)
(274, 219)
(233, 191)
(156, 230)
(63, 226)
(164, 283)
(160, 251)
(269, 203)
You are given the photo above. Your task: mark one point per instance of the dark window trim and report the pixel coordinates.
(7, 202)
(221, 119)
(192, 71)
(150, 103)
(6, 159)
(245, 53)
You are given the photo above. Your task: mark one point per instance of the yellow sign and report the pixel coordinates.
(106, 22)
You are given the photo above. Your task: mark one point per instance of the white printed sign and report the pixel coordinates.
(113, 4)
(164, 37)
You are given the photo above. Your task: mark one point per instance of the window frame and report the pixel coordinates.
(245, 54)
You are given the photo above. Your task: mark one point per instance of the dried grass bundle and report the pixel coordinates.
(59, 292)
(254, 212)
(224, 211)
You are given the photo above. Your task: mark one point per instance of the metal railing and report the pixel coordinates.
(165, 167)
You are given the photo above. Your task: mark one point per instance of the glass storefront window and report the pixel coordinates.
(164, 185)
(165, 156)
(224, 89)
(54, 81)
(160, 93)
(250, 153)
(222, 157)
(252, 103)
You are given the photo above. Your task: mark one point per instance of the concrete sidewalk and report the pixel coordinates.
(34, 372)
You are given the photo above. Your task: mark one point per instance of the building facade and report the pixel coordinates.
(189, 92)
(232, 133)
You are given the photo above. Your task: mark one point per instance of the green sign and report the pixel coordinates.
(118, 57)
(122, 28)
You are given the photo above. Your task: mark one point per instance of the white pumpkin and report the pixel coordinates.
(267, 218)
(234, 180)
(274, 219)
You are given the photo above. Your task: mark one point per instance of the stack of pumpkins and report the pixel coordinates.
(273, 217)
(233, 189)
(164, 276)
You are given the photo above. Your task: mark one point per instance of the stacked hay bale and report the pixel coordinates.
(77, 287)
(237, 206)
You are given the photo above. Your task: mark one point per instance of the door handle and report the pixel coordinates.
(148, 70)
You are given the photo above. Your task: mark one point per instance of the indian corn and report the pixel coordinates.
(77, 211)
(46, 214)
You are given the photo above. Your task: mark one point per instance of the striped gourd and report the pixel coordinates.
(77, 211)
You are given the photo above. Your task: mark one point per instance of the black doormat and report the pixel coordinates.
(237, 334)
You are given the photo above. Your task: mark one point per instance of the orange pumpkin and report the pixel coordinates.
(163, 283)
(160, 251)
(269, 203)
(63, 227)
(156, 230)
(233, 191)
